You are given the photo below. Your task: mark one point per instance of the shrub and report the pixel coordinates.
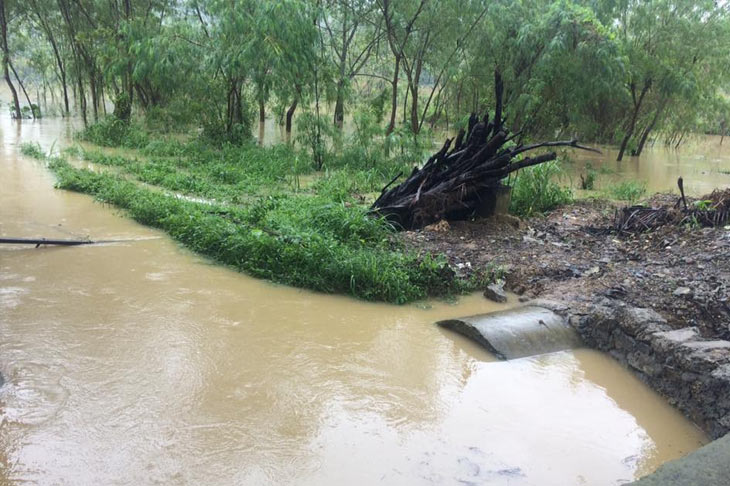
(110, 131)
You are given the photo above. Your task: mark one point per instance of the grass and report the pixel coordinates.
(32, 150)
(535, 190)
(312, 239)
(630, 191)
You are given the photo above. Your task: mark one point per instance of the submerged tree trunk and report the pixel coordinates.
(635, 115)
(22, 88)
(649, 128)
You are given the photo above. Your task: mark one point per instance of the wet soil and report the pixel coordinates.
(572, 254)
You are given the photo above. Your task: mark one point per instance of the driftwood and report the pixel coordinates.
(44, 241)
(712, 211)
(455, 181)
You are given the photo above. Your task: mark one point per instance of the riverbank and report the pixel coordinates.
(657, 301)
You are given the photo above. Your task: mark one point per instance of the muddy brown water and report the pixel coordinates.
(703, 161)
(139, 363)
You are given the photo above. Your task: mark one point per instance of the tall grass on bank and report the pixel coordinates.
(535, 190)
(311, 242)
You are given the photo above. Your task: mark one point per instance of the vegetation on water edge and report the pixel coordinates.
(306, 240)
(630, 191)
(536, 190)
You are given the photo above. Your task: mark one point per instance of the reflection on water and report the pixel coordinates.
(139, 363)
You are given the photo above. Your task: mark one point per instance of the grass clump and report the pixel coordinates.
(630, 191)
(32, 150)
(535, 190)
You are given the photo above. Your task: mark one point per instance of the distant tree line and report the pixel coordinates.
(613, 71)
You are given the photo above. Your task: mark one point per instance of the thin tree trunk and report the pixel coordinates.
(649, 128)
(289, 115)
(415, 126)
(339, 116)
(22, 87)
(632, 122)
(394, 98)
(6, 58)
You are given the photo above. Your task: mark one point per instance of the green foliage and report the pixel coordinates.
(32, 150)
(703, 204)
(123, 107)
(313, 132)
(113, 132)
(630, 191)
(536, 191)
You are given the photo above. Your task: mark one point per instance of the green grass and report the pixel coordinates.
(311, 241)
(32, 150)
(535, 190)
(630, 191)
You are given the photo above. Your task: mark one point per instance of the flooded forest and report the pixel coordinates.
(399, 242)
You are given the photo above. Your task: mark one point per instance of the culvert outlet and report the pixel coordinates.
(517, 333)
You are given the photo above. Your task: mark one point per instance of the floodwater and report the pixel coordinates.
(138, 363)
(702, 161)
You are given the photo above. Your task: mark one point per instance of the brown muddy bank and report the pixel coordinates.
(659, 302)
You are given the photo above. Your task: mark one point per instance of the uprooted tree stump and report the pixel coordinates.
(455, 182)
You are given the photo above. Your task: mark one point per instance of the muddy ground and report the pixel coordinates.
(572, 254)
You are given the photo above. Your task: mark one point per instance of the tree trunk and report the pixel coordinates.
(414, 108)
(394, 98)
(6, 58)
(632, 122)
(94, 95)
(289, 115)
(339, 116)
(22, 87)
(649, 128)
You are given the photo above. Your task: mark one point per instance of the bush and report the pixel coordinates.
(313, 133)
(110, 131)
(535, 190)
(123, 107)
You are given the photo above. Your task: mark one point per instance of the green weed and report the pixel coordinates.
(630, 191)
(535, 190)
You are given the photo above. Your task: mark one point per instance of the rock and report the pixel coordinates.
(441, 227)
(680, 291)
(495, 292)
